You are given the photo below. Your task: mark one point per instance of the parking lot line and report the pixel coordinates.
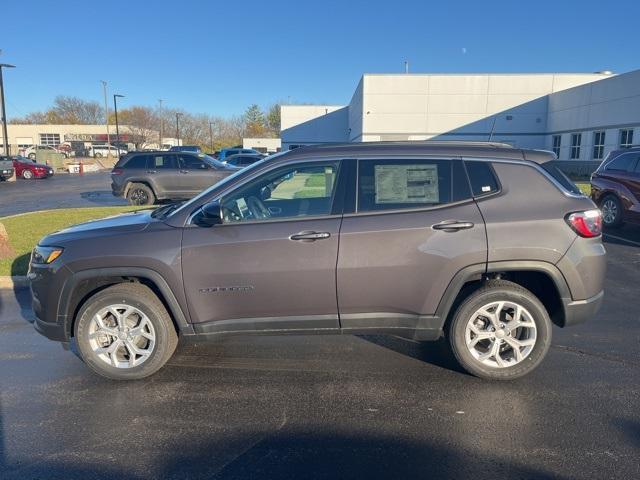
(622, 239)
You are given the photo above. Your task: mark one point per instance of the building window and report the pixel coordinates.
(51, 139)
(576, 140)
(598, 145)
(626, 138)
(557, 142)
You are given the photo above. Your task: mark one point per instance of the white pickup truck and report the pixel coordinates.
(98, 151)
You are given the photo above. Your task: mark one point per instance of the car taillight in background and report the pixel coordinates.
(587, 224)
(117, 171)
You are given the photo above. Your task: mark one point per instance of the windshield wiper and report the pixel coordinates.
(165, 210)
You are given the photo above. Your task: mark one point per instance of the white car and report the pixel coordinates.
(98, 151)
(31, 151)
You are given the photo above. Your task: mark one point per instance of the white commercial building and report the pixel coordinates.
(264, 145)
(579, 116)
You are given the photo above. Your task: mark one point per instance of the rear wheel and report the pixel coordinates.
(125, 333)
(500, 332)
(611, 211)
(97, 155)
(32, 156)
(140, 194)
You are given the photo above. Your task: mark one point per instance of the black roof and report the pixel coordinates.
(445, 148)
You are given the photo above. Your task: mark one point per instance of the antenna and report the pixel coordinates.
(492, 128)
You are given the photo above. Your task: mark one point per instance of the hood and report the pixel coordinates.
(115, 225)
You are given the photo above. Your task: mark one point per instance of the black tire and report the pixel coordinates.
(27, 174)
(613, 204)
(140, 194)
(32, 156)
(97, 155)
(494, 291)
(142, 298)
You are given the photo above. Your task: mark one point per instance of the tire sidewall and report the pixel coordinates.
(152, 364)
(476, 301)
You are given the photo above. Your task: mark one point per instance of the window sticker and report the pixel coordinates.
(406, 184)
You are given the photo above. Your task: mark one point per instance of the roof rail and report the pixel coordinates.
(470, 143)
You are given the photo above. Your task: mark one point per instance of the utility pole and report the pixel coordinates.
(5, 135)
(406, 66)
(161, 125)
(115, 109)
(106, 113)
(178, 115)
(211, 136)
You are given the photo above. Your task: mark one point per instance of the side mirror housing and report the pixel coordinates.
(210, 214)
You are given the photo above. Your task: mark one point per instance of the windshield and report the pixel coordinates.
(211, 161)
(224, 181)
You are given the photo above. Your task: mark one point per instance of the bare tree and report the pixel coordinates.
(141, 122)
(74, 110)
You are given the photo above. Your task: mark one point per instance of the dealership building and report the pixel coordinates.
(579, 116)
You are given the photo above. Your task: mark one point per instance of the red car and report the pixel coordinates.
(28, 169)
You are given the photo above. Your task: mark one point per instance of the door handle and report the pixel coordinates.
(152, 171)
(184, 171)
(309, 236)
(452, 225)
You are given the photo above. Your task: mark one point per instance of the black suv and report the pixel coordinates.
(144, 177)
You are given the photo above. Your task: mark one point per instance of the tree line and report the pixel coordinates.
(145, 122)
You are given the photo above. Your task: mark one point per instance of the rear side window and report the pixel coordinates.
(624, 163)
(560, 177)
(483, 180)
(163, 161)
(411, 183)
(139, 161)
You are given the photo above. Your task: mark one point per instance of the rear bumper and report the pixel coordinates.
(579, 311)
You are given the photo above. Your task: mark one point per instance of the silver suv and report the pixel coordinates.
(484, 244)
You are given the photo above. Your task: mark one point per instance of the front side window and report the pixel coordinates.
(598, 145)
(576, 141)
(189, 162)
(557, 143)
(626, 138)
(411, 183)
(295, 191)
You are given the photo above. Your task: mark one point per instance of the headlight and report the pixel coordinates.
(45, 255)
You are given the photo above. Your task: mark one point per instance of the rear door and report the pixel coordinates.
(415, 226)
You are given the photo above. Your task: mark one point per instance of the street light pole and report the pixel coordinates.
(106, 112)
(161, 125)
(178, 115)
(5, 135)
(211, 136)
(115, 109)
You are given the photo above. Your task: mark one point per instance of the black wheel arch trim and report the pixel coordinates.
(176, 310)
(478, 271)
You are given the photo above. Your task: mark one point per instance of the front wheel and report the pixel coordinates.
(500, 332)
(27, 174)
(125, 333)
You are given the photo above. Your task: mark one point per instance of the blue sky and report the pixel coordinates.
(218, 57)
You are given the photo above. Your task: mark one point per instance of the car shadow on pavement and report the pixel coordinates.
(436, 353)
(291, 455)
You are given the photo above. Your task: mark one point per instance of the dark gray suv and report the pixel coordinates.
(144, 177)
(485, 244)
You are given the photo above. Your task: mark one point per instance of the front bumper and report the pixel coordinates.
(6, 173)
(579, 311)
(47, 284)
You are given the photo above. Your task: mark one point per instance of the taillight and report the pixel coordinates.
(587, 224)
(117, 171)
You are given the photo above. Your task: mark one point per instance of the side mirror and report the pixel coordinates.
(210, 214)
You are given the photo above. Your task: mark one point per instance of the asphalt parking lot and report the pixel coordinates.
(329, 406)
(60, 191)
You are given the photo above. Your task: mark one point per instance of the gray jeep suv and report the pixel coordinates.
(484, 244)
(144, 177)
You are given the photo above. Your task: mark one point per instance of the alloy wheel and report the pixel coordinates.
(139, 197)
(122, 336)
(26, 174)
(609, 211)
(501, 334)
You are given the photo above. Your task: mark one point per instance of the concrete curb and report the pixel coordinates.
(14, 282)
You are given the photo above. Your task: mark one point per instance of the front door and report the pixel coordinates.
(195, 175)
(415, 227)
(271, 264)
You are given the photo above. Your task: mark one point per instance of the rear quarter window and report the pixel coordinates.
(482, 178)
(561, 178)
(138, 161)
